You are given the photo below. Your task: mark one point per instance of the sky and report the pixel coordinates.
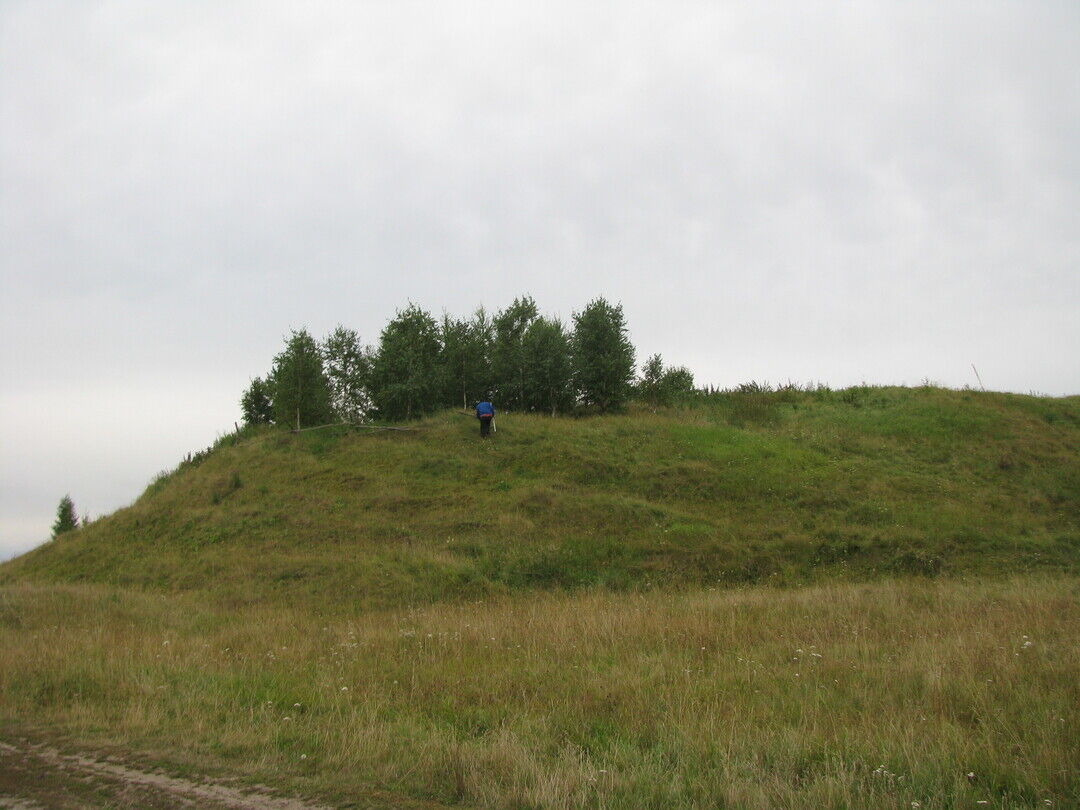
(876, 192)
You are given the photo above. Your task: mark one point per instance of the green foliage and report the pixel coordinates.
(465, 359)
(405, 373)
(603, 357)
(678, 382)
(300, 391)
(256, 405)
(519, 359)
(660, 386)
(548, 371)
(650, 385)
(348, 373)
(509, 362)
(66, 519)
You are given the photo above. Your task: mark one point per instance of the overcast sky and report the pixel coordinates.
(841, 192)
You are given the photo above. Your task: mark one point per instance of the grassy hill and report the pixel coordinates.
(597, 612)
(787, 487)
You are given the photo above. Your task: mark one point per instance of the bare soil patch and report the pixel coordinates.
(37, 776)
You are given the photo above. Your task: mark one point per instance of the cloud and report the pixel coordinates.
(878, 192)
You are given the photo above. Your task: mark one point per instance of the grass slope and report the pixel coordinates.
(787, 487)
(585, 613)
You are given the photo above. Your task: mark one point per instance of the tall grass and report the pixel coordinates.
(944, 693)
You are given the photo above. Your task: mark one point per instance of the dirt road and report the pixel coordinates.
(36, 776)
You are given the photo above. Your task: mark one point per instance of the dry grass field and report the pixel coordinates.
(895, 694)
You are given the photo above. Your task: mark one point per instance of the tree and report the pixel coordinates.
(348, 374)
(66, 520)
(663, 386)
(298, 385)
(678, 382)
(508, 361)
(256, 404)
(465, 359)
(603, 357)
(405, 374)
(652, 374)
(548, 371)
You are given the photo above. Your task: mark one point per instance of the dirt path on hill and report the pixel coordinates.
(35, 776)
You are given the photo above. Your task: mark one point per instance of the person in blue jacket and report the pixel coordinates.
(485, 412)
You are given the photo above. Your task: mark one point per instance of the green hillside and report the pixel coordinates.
(790, 487)
(417, 618)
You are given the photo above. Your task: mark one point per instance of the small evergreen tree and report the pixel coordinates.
(348, 373)
(548, 371)
(299, 388)
(255, 404)
(603, 357)
(405, 374)
(66, 519)
(508, 362)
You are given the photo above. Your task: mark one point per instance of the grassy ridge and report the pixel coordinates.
(945, 693)
(590, 613)
(785, 487)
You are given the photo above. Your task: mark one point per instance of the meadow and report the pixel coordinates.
(798, 598)
(897, 694)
